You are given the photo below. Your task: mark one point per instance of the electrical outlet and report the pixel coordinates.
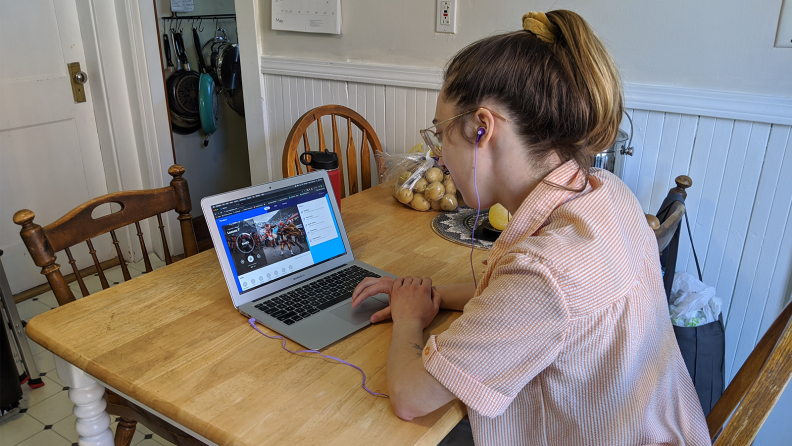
(446, 16)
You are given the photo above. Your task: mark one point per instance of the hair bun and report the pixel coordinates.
(539, 25)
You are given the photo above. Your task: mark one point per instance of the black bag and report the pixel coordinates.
(10, 389)
(704, 347)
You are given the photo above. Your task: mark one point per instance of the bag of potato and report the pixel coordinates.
(418, 181)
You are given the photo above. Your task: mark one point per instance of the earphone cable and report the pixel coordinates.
(478, 206)
(252, 321)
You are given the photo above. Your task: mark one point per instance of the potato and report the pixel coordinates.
(448, 202)
(419, 203)
(434, 191)
(436, 205)
(420, 186)
(450, 187)
(404, 176)
(404, 195)
(434, 175)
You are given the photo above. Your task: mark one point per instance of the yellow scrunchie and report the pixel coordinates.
(539, 25)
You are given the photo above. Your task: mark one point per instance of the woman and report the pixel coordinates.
(566, 337)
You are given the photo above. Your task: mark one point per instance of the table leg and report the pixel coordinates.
(93, 422)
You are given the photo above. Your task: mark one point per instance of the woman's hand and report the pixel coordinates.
(413, 298)
(371, 286)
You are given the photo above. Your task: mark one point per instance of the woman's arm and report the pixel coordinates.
(455, 296)
(413, 391)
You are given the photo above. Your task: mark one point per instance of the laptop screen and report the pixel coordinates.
(275, 234)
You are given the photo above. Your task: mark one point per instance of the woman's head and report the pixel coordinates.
(554, 82)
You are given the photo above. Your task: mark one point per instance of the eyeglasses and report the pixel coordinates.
(433, 140)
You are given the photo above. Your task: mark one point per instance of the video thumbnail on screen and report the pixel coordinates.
(266, 239)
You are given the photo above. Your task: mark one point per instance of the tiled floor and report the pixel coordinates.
(46, 418)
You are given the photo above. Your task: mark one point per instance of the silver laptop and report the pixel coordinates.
(287, 260)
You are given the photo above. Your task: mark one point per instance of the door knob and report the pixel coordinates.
(80, 77)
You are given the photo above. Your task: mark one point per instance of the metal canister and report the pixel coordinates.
(607, 158)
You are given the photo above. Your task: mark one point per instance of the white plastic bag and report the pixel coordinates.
(693, 303)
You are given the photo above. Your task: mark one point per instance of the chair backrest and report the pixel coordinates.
(756, 388)
(80, 226)
(369, 143)
(672, 217)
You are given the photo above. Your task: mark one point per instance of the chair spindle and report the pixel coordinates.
(99, 270)
(365, 161)
(125, 430)
(73, 263)
(146, 260)
(358, 180)
(121, 261)
(337, 150)
(307, 148)
(168, 259)
(351, 159)
(320, 134)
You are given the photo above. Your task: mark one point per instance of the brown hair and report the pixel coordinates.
(563, 97)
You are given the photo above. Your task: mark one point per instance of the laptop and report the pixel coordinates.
(287, 260)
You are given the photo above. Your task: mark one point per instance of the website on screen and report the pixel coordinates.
(272, 235)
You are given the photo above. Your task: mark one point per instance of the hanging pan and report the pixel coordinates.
(184, 126)
(207, 98)
(228, 67)
(183, 87)
(210, 51)
(235, 100)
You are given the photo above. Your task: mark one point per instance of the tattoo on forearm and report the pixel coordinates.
(418, 347)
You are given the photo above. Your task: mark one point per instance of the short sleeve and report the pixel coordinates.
(506, 335)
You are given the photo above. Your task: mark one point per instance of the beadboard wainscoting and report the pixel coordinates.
(736, 148)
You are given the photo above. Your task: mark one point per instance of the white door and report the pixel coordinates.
(49, 147)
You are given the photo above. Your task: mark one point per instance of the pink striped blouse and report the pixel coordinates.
(568, 339)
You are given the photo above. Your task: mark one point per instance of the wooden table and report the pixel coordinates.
(172, 341)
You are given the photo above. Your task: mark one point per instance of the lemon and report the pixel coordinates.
(499, 217)
(418, 148)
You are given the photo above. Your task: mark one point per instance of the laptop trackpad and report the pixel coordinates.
(361, 314)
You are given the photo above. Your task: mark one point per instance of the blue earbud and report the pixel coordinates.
(481, 131)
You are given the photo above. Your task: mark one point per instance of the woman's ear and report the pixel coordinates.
(485, 123)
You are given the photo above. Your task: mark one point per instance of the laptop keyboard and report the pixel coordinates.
(307, 300)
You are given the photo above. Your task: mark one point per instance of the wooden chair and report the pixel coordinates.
(370, 142)
(79, 226)
(674, 215)
(756, 388)
(761, 380)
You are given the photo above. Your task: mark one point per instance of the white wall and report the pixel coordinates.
(721, 45)
(223, 165)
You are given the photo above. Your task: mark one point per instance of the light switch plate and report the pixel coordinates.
(784, 34)
(446, 16)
